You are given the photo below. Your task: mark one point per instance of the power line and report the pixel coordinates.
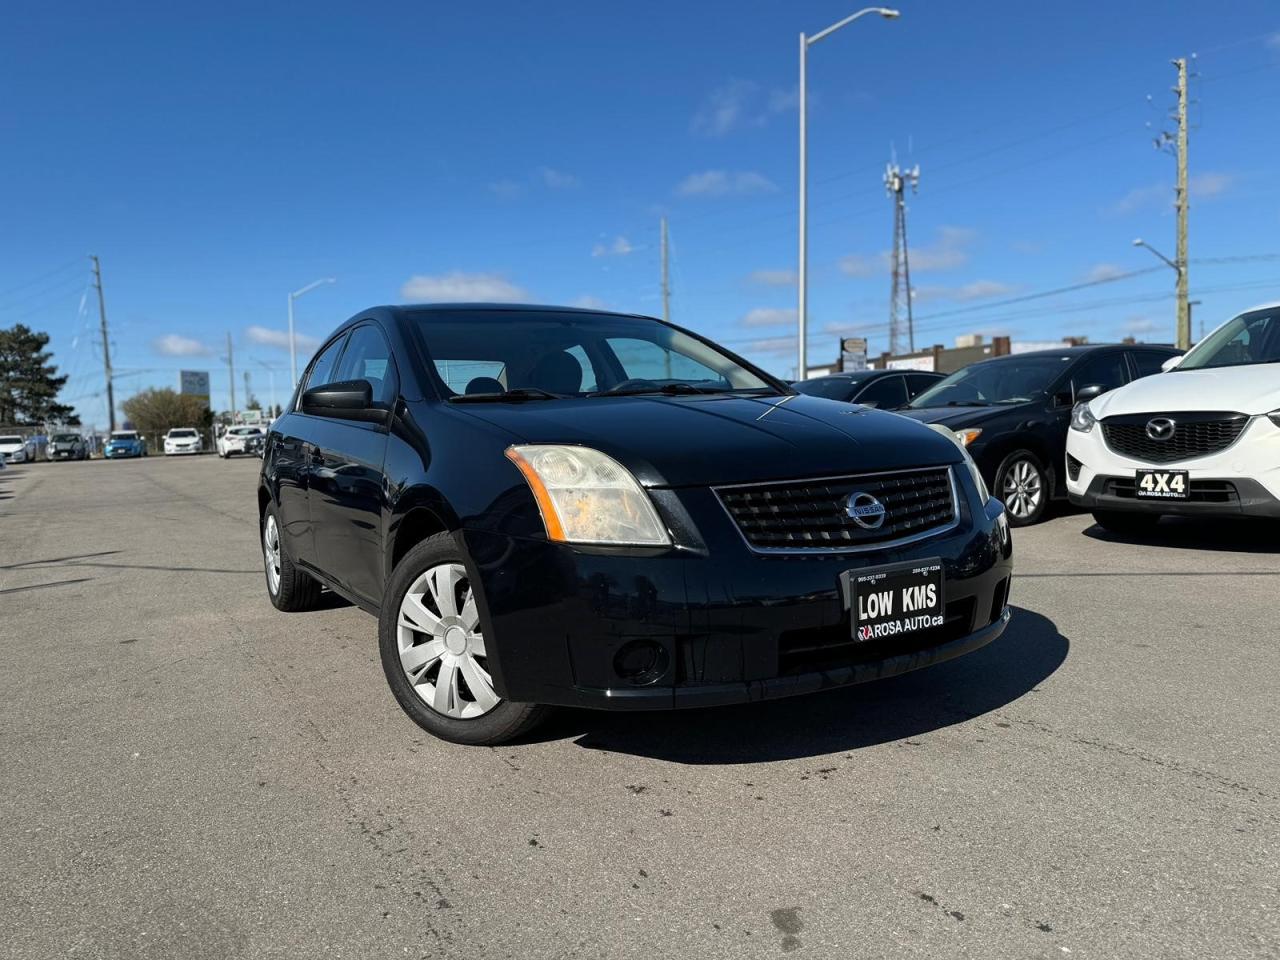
(43, 276)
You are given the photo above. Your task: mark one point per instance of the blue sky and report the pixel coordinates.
(217, 157)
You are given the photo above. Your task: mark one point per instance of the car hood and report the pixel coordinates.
(1251, 390)
(957, 418)
(688, 441)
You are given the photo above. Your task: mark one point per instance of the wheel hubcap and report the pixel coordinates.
(1022, 488)
(271, 553)
(441, 645)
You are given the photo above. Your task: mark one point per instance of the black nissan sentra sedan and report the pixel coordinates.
(548, 506)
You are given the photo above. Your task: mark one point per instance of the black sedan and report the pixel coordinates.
(554, 506)
(1012, 413)
(884, 389)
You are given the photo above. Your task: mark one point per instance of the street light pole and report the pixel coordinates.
(802, 274)
(293, 343)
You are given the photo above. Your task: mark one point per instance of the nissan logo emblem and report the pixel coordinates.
(865, 510)
(1161, 428)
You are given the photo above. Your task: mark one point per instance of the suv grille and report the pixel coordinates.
(1194, 435)
(813, 514)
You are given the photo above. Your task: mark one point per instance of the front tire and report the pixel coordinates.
(288, 587)
(1126, 524)
(434, 655)
(1023, 486)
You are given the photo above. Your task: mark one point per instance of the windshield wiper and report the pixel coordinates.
(665, 389)
(515, 395)
(967, 403)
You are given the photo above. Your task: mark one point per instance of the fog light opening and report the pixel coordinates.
(640, 662)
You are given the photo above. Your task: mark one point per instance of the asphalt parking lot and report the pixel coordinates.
(189, 773)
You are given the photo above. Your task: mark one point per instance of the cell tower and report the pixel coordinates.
(895, 182)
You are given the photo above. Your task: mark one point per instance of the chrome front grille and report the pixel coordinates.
(802, 515)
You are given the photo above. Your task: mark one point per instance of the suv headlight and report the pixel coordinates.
(1082, 417)
(586, 496)
(974, 473)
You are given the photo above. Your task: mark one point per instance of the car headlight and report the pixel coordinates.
(1082, 417)
(586, 496)
(974, 473)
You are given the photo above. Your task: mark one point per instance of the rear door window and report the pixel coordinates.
(1147, 362)
(368, 357)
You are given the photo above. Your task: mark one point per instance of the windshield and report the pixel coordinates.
(1011, 380)
(555, 355)
(244, 431)
(124, 435)
(1249, 338)
(65, 437)
(833, 388)
(182, 434)
(9, 441)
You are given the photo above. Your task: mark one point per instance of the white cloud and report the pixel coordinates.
(588, 302)
(769, 316)
(736, 104)
(774, 278)
(1162, 195)
(779, 346)
(175, 345)
(1209, 184)
(556, 179)
(619, 247)
(719, 183)
(459, 287)
(1141, 324)
(861, 265)
(266, 337)
(977, 290)
(949, 251)
(1101, 272)
(506, 189)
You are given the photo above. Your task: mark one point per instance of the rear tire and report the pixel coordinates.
(288, 587)
(418, 655)
(1126, 524)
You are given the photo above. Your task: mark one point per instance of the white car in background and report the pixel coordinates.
(1201, 438)
(182, 440)
(13, 448)
(233, 440)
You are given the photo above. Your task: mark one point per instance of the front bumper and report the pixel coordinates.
(731, 625)
(1242, 480)
(121, 453)
(178, 451)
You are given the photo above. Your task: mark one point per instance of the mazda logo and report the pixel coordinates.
(1161, 428)
(865, 510)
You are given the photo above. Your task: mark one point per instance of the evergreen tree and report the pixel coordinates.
(29, 383)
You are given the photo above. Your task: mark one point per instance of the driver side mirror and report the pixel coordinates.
(1171, 363)
(1089, 391)
(344, 399)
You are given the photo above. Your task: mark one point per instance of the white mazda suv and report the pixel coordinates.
(1200, 438)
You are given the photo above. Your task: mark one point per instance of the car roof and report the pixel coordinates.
(1080, 351)
(502, 307)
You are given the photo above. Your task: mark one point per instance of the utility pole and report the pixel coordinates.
(106, 342)
(895, 182)
(1180, 255)
(231, 378)
(666, 282)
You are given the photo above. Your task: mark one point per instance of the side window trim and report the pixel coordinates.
(305, 383)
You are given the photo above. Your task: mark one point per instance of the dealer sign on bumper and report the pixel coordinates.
(894, 600)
